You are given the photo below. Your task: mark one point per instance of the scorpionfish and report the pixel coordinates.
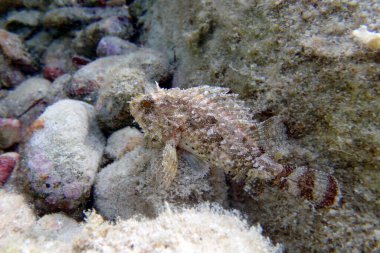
(216, 127)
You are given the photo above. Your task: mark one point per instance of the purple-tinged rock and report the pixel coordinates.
(62, 157)
(86, 41)
(111, 45)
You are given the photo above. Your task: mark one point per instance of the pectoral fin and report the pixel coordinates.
(169, 165)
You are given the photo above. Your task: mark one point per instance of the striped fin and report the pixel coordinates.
(318, 187)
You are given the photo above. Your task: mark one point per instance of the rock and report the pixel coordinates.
(38, 44)
(68, 18)
(58, 58)
(88, 80)
(58, 88)
(19, 101)
(62, 156)
(9, 75)
(23, 22)
(112, 104)
(10, 132)
(129, 187)
(123, 141)
(8, 162)
(111, 45)
(86, 40)
(14, 50)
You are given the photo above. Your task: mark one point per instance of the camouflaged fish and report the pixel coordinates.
(217, 127)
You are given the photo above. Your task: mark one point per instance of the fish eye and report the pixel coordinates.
(147, 104)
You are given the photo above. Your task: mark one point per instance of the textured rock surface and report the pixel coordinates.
(62, 157)
(111, 45)
(28, 94)
(89, 79)
(297, 60)
(9, 75)
(122, 142)
(112, 104)
(130, 185)
(14, 50)
(10, 132)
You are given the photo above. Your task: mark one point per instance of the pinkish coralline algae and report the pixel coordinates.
(62, 156)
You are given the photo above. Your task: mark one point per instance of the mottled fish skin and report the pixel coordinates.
(217, 127)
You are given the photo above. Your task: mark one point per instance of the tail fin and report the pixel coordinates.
(318, 187)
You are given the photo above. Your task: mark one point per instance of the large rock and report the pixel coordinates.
(112, 104)
(62, 156)
(27, 95)
(111, 45)
(14, 50)
(89, 79)
(130, 186)
(297, 60)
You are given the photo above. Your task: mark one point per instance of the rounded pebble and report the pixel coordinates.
(63, 155)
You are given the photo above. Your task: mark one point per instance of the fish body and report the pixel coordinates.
(215, 126)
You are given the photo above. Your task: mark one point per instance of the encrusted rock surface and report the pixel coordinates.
(89, 79)
(10, 132)
(62, 157)
(111, 45)
(123, 141)
(112, 104)
(130, 186)
(27, 95)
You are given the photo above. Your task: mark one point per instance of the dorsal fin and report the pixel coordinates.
(271, 135)
(218, 101)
